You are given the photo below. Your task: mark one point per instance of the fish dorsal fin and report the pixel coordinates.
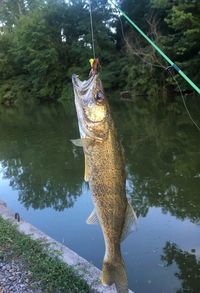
(130, 222)
(92, 219)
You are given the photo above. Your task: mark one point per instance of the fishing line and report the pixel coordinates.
(184, 103)
(91, 28)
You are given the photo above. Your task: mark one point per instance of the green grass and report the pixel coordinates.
(53, 274)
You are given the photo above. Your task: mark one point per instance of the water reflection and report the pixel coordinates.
(163, 170)
(163, 161)
(162, 156)
(38, 159)
(188, 265)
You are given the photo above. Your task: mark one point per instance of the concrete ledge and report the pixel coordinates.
(86, 270)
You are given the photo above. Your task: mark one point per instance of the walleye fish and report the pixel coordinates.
(105, 172)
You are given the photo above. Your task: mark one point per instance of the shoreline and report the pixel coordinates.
(82, 268)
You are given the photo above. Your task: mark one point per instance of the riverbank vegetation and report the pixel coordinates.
(42, 42)
(51, 274)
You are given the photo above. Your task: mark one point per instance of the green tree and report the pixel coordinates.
(50, 42)
(142, 67)
(43, 42)
(174, 27)
(10, 11)
(180, 28)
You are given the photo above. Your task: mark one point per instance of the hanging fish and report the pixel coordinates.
(105, 172)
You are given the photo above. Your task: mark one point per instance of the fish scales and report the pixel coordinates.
(107, 184)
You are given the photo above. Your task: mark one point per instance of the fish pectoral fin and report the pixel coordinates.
(130, 222)
(86, 178)
(77, 142)
(80, 142)
(92, 219)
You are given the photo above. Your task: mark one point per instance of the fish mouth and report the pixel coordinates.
(89, 125)
(81, 89)
(82, 85)
(75, 80)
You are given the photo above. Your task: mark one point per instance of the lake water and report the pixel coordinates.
(41, 178)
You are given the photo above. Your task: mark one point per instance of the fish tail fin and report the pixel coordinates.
(115, 273)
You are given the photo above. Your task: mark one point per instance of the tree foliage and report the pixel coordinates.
(186, 262)
(181, 39)
(43, 42)
(174, 27)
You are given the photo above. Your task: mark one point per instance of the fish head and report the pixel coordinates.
(91, 107)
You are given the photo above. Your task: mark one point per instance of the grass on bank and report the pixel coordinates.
(52, 273)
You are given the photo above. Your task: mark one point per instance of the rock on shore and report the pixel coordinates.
(14, 279)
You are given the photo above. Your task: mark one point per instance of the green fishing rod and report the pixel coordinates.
(157, 48)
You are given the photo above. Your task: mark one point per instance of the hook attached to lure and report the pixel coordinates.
(94, 63)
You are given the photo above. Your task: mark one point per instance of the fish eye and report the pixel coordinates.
(99, 96)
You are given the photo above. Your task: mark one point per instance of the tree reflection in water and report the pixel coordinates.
(37, 157)
(163, 160)
(188, 265)
(162, 153)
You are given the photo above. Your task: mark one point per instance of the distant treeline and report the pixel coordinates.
(42, 42)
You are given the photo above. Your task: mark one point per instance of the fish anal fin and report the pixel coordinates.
(130, 222)
(92, 219)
